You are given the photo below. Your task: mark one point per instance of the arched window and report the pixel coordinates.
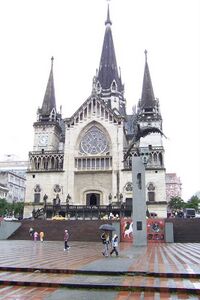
(151, 192)
(113, 86)
(37, 191)
(160, 159)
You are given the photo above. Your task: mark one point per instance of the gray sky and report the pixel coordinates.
(31, 31)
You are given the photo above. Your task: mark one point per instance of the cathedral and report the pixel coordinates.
(79, 160)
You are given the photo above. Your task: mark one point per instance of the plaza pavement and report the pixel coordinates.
(36, 270)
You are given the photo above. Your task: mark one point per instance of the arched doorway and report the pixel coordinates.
(93, 199)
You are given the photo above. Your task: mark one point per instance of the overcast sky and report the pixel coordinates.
(31, 31)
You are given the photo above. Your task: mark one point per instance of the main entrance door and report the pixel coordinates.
(93, 199)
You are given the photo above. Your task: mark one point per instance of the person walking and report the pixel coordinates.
(114, 245)
(105, 240)
(35, 236)
(31, 232)
(41, 236)
(66, 238)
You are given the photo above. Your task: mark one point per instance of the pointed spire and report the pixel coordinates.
(108, 70)
(108, 21)
(49, 101)
(147, 99)
(145, 52)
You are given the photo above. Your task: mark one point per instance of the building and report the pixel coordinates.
(3, 191)
(12, 164)
(78, 160)
(15, 186)
(173, 186)
(13, 178)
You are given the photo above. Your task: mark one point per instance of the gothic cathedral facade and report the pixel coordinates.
(79, 160)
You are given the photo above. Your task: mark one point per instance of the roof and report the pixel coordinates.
(147, 98)
(108, 70)
(49, 101)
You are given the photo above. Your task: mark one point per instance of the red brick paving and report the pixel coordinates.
(161, 259)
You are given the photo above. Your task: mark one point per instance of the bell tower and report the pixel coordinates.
(148, 114)
(48, 131)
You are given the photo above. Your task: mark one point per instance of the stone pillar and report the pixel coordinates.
(139, 202)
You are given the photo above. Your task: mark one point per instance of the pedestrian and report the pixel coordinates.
(41, 236)
(105, 240)
(31, 232)
(66, 238)
(35, 236)
(114, 245)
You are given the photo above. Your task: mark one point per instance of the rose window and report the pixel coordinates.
(94, 142)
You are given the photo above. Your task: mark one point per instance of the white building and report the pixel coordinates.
(173, 186)
(3, 191)
(80, 158)
(15, 186)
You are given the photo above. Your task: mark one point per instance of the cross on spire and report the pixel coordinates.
(52, 59)
(145, 52)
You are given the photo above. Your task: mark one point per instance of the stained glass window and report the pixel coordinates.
(94, 142)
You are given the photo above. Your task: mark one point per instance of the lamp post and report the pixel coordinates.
(110, 198)
(67, 203)
(45, 203)
(68, 198)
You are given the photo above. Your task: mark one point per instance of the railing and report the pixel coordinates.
(43, 161)
(102, 163)
(87, 211)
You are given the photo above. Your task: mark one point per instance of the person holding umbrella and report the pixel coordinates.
(105, 237)
(105, 240)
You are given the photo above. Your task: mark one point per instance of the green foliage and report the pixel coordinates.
(3, 204)
(7, 208)
(193, 202)
(176, 203)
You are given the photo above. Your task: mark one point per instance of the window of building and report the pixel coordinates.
(37, 198)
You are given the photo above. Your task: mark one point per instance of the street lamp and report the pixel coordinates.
(68, 198)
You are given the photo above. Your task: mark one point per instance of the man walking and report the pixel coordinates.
(66, 238)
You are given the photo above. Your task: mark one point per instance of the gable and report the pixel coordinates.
(93, 107)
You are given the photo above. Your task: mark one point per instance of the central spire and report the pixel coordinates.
(107, 82)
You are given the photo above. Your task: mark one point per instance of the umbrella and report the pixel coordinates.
(107, 227)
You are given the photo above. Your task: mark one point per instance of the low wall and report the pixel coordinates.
(7, 228)
(184, 230)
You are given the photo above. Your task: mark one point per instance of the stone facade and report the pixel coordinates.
(80, 160)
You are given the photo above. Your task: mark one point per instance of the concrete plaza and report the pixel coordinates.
(42, 270)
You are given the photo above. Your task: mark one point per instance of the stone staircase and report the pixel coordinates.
(120, 282)
(81, 230)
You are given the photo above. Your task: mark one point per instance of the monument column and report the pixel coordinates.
(139, 202)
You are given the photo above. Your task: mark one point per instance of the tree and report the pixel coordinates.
(193, 202)
(176, 203)
(3, 204)
(7, 208)
(18, 208)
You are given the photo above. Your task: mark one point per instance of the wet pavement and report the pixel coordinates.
(42, 270)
